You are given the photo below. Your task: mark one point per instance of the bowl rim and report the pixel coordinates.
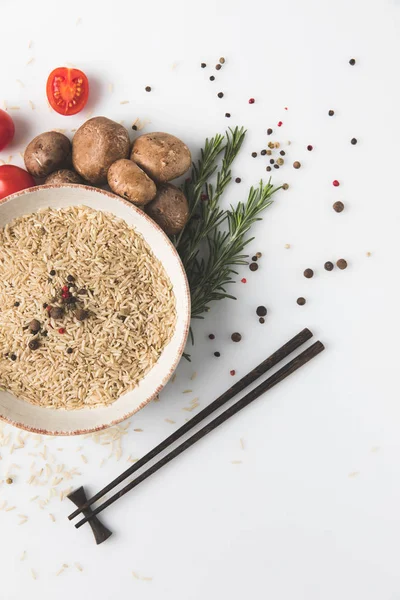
(187, 317)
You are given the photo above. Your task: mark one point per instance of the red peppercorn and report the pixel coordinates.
(61, 330)
(251, 101)
(335, 183)
(244, 280)
(48, 308)
(280, 123)
(309, 147)
(233, 372)
(65, 288)
(286, 108)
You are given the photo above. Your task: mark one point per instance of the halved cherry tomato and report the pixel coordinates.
(7, 129)
(67, 90)
(13, 179)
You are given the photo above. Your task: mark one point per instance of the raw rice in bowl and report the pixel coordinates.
(86, 309)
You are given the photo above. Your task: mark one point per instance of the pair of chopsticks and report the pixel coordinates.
(238, 387)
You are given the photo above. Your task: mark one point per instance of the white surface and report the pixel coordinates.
(61, 422)
(312, 512)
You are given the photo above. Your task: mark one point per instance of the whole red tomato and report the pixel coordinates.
(67, 90)
(7, 129)
(13, 179)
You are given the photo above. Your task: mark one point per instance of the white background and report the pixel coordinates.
(312, 511)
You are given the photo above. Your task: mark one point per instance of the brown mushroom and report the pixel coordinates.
(128, 180)
(161, 155)
(97, 144)
(169, 209)
(64, 176)
(46, 153)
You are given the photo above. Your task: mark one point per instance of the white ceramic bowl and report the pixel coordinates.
(72, 422)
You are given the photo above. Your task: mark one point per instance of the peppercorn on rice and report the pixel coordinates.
(104, 305)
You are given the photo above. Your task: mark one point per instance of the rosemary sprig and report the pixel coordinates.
(201, 173)
(206, 215)
(212, 273)
(214, 239)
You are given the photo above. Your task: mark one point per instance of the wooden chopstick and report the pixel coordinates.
(277, 377)
(270, 362)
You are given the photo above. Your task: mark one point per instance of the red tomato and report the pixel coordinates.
(13, 179)
(7, 129)
(67, 90)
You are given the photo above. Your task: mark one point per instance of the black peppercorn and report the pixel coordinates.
(352, 62)
(328, 266)
(218, 67)
(57, 312)
(16, 303)
(353, 141)
(34, 344)
(331, 113)
(263, 152)
(134, 127)
(276, 166)
(338, 206)
(45, 305)
(70, 278)
(341, 263)
(254, 154)
(71, 300)
(301, 301)
(308, 273)
(238, 180)
(217, 354)
(211, 336)
(44, 333)
(268, 168)
(13, 357)
(203, 65)
(220, 95)
(253, 266)
(271, 161)
(81, 314)
(285, 186)
(82, 292)
(34, 326)
(255, 258)
(69, 351)
(147, 88)
(282, 153)
(269, 131)
(212, 78)
(236, 337)
(261, 320)
(52, 272)
(228, 115)
(261, 311)
(296, 164)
